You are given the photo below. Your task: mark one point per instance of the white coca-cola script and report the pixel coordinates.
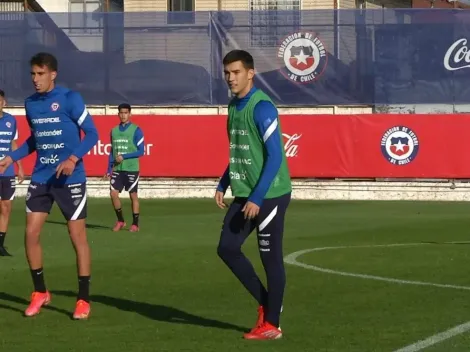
(457, 53)
(290, 147)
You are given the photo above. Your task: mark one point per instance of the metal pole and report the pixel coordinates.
(211, 57)
(106, 54)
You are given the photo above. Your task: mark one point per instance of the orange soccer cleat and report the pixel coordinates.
(260, 320)
(119, 226)
(38, 299)
(266, 331)
(82, 310)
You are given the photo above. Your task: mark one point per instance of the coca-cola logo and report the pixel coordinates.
(457, 53)
(290, 146)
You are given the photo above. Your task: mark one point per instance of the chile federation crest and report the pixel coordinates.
(303, 56)
(400, 145)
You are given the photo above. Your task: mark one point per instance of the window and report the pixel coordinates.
(181, 12)
(272, 20)
(84, 17)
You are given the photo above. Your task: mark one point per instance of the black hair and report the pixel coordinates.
(124, 106)
(44, 59)
(240, 55)
(2, 93)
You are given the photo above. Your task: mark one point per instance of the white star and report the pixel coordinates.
(301, 58)
(400, 146)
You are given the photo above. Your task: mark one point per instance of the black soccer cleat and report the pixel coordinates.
(4, 252)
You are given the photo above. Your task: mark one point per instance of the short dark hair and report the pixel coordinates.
(124, 106)
(2, 93)
(240, 55)
(44, 59)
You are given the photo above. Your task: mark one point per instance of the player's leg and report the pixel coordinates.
(72, 201)
(116, 187)
(135, 211)
(235, 230)
(38, 206)
(132, 187)
(270, 229)
(5, 211)
(7, 193)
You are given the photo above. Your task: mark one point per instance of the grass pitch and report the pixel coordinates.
(165, 289)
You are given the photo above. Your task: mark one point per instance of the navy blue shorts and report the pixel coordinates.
(7, 187)
(71, 199)
(127, 180)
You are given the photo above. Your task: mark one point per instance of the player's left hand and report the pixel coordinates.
(20, 175)
(119, 159)
(250, 210)
(66, 167)
(4, 163)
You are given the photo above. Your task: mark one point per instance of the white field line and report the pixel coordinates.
(415, 347)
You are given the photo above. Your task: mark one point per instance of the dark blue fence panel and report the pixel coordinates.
(302, 58)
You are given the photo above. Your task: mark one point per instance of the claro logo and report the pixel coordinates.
(101, 148)
(53, 159)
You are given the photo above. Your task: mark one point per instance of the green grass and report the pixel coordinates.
(165, 289)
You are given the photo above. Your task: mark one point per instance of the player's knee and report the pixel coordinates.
(114, 193)
(78, 237)
(228, 249)
(5, 207)
(32, 235)
(271, 257)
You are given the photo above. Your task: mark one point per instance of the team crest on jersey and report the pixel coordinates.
(8, 124)
(303, 56)
(55, 106)
(400, 145)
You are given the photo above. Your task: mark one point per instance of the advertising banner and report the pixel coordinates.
(320, 146)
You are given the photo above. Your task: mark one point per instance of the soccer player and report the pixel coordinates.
(127, 146)
(260, 182)
(8, 137)
(56, 116)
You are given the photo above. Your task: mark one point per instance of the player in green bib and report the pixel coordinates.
(259, 179)
(127, 146)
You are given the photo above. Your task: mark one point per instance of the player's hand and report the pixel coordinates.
(20, 175)
(250, 210)
(66, 167)
(4, 163)
(119, 159)
(106, 177)
(219, 199)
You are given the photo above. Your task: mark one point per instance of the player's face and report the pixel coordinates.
(238, 78)
(43, 78)
(124, 115)
(2, 103)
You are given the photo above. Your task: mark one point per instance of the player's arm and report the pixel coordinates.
(139, 143)
(79, 113)
(111, 156)
(222, 187)
(224, 181)
(14, 146)
(28, 147)
(266, 120)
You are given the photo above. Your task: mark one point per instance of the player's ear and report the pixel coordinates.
(251, 73)
(54, 75)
